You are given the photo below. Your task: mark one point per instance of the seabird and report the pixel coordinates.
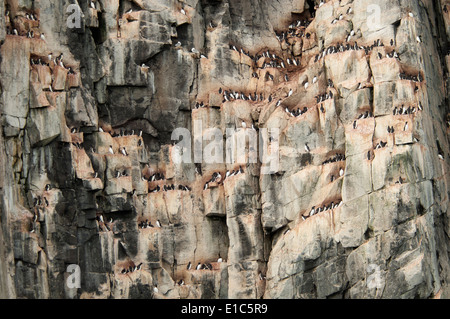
(199, 266)
(155, 289)
(354, 125)
(314, 79)
(47, 187)
(418, 39)
(244, 125)
(220, 259)
(307, 148)
(178, 44)
(290, 92)
(124, 151)
(111, 149)
(341, 172)
(158, 223)
(182, 11)
(92, 4)
(306, 85)
(419, 77)
(42, 36)
(405, 127)
(411, 15)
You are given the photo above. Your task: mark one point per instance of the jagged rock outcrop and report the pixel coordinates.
(342, 110)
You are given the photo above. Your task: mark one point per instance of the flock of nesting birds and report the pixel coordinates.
(50, 60)
(11, 30)
(295, 29)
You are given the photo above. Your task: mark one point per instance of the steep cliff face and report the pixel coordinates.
(347, 102)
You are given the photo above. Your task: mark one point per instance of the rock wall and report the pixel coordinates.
(353, 93)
